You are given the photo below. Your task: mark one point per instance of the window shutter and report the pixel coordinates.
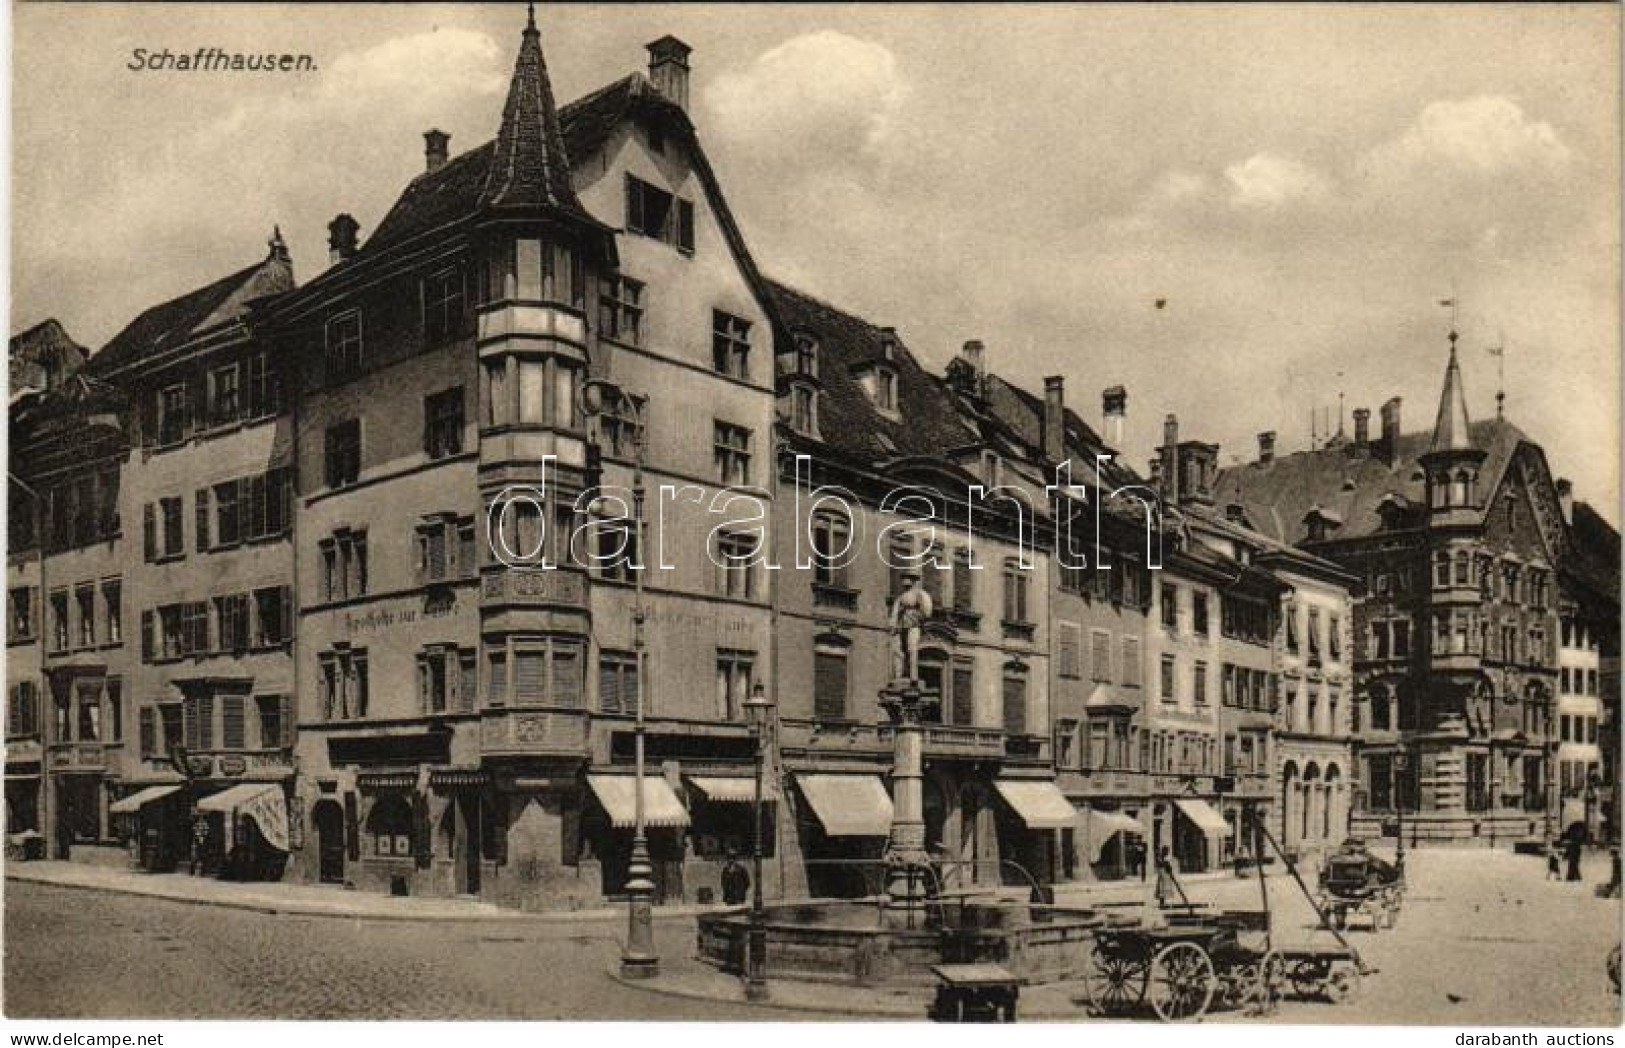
(964, 697)
(202, 517)
(468, 685)
(566, 678)
(352, 827)
(423, 683)
(685, 225)
(1015, 705)
(149, 531)
(529, 676)
(285, 598)
(147, 635)
(149, 732)
(829, 685)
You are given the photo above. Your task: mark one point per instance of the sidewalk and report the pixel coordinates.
(308, 900)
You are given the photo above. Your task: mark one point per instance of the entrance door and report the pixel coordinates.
(329, 822)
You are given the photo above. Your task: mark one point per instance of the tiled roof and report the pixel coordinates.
(437, 198)
(1595, 554)
(530, 167)
(848, 421)
(172, 323)
(1349, 482)
(1023, 411)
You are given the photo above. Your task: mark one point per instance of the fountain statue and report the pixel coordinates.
(904, 699)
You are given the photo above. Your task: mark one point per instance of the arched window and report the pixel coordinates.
(1461, 489)
(389, 825)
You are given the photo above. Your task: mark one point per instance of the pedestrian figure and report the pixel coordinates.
(1554, 862)
(1571, 851)
(200, 845)
(1167, 887)
(735, 881)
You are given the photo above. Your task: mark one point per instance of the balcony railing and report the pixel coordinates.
(837, 597)
(84, 756)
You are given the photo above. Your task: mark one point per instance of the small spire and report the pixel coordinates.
(530, 17)
(1450, 430)
(278, 246)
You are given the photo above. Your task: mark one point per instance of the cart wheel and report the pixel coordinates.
(1306, 977)
(1116, 980)
(1613, 968)
(1343, 983)
(1266, 985)
(1181, 984)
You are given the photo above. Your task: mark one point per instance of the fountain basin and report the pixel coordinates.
(868, 943)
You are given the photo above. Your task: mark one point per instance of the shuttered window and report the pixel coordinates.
(1015, 702)
(530, 677)
(567, 683)
(964, 696)
(617, 682)
(964, 583)
(1131, 662)
(149, 732)
(232, 729)
(496, 681)
(202, 519)
(468, 679)
(1101, 655)
(1069, 638)
(829, 684)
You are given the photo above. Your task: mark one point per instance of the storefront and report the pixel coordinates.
(1115, 843)
(1198, 831)
(1044, 814)
(246, 827)
(610, 823)
(153, 821)
(843, 824)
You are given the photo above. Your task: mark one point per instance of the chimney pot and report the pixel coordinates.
(435, 146)
(1266, 446)
(1114, 406)
(1170, 431)
(341, 237)
(1390, 429)
(1565, 498)
(668, 69)
(973, 353)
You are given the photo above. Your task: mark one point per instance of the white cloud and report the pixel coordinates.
(823, 95)
(1268, 181)
(1485, 135)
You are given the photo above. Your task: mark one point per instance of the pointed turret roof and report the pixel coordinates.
(530, 168)
(1450, 431)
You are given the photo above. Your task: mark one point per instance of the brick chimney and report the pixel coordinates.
(1114, 406)
(1055, 418)
(1266, 446)
(1362, 427)
(435, 144)
(974, 354)
(1565, 498)
(1169, 453)
(341, 238)
(668, 69)
(1390, 430)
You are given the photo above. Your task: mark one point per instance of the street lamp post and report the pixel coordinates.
(759, 707)
(1402, 762)
(638, 957)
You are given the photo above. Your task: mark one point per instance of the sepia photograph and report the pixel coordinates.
(780, 513)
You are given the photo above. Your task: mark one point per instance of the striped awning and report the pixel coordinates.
(141, 798)
(262, 802)
(849, 805)
(618, 795)
(1039, 802)
(733, 788)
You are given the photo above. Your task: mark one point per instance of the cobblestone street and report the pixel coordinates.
(1500, 947)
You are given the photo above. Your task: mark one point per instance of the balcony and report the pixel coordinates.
(534, 733)
(941, 741)
(834, 597)
(1018, 631)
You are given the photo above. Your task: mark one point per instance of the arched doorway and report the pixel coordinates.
(1333, 821)
(1313, 801)
(328, 819)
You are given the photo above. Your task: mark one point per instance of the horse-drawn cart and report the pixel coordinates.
(1356, 884)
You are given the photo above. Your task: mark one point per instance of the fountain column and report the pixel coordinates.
(903, 701)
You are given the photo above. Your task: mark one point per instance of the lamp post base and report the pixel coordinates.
(756, 963)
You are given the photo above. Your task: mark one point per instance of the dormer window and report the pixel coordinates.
(804, 410)
(992, 468)
(806, 358)
(655, 213)
(885, 389)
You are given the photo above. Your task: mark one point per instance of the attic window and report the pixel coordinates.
(806, 358)
(885, 389)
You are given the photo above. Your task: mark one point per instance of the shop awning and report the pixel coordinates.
(733, 789)
(1104, 825)
(1202, 814)
(618, 795)
(1039, 802)
(261, 802)
(141, 798)
(849, 805)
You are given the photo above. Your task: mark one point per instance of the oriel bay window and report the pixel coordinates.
(536, 671)
(534, 270)
(532, 391)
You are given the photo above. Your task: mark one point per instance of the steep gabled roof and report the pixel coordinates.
(929, 422)
(1350, 482)
(172, 323)
(1594, 553)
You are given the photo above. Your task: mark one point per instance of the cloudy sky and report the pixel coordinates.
(1302, 185)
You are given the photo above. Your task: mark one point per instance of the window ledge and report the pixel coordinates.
(168, 558)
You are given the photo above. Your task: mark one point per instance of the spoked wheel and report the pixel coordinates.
(1306, 978)
(1116, 980)
(1270, 985)
(1181, 985)
(1343, 983)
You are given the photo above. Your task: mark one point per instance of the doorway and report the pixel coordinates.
(466, 846)
(328, 818)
